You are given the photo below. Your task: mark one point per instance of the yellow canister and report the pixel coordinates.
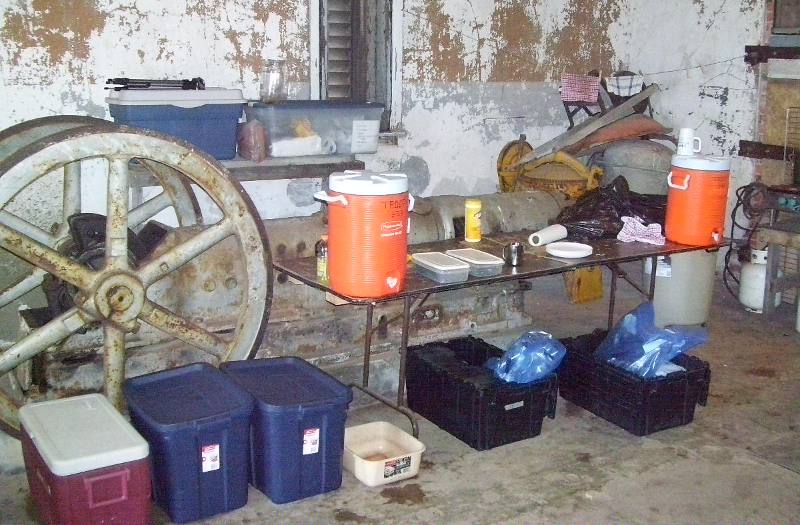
(472, 220)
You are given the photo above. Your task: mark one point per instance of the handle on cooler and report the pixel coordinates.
(323, 196)
(410, 202)
(684, 186)
(697, 144)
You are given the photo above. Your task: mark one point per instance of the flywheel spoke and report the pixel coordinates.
(114, 362)
(184, 252)
(24, 286)
(45, 258)
(40, 339)
(72, 196)
(117, 215)
(151, 207)
(26, 228)
(184, 330)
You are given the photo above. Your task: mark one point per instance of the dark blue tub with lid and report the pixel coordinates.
(297, 434)
(197, 422)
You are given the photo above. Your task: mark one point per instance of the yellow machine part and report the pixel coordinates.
(558, 171)
(509, 155)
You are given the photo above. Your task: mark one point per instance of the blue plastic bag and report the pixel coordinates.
(638, 346)
(533, 356)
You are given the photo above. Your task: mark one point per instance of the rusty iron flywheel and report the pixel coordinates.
(117, 297)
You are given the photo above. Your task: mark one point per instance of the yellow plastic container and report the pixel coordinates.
(472, 220)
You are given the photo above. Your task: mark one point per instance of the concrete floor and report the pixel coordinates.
(739, 462)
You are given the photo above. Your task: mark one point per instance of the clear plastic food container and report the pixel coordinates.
(481, 264)
(440, 267)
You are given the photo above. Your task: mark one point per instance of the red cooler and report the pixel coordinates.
(86, 464)
(367, 232)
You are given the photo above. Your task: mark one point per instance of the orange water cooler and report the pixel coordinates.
(367, 232)
(697, 198)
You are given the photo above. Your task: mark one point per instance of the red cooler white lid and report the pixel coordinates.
(78, 434)
(368, 183)
(701, 162)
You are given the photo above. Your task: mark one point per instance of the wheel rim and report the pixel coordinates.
(116, 295)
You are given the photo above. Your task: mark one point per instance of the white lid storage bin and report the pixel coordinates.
(182, 98)
(79, 434)
(481, 264)
(440, 267)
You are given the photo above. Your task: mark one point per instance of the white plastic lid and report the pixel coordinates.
(79, 434)
(702, 162)
(182, 98)
(476, 257)
(439, 262)
(368, 183)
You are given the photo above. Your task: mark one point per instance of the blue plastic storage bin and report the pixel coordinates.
(206, 118)
(297, 436)
(197, 423)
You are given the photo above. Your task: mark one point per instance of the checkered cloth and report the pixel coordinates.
(579, 88)
(634, 230)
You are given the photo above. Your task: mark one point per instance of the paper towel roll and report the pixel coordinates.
(554, 232)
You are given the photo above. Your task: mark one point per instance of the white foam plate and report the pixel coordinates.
(569, 250)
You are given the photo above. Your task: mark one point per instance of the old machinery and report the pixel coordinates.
(117, 284)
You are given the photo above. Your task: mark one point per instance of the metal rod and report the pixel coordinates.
(114, 363)
(612, 296)
(367, 345)
(653, 269)
(622, 273)
(403, 410)
(401, 379)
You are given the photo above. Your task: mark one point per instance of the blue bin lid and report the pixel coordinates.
(186, 395)
(281, 383)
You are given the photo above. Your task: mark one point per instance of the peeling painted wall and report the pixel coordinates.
(478, 73)
(475, 73)
(56, 55)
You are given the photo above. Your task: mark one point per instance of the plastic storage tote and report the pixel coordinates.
(441, 268)
(640, 406)
(197, 422)
(481, 264)
(207, 117)
(448, 385)
(85, 463)
(349, 127)
(298, 426)
(378, 453)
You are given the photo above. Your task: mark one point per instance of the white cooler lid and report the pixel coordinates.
(702, 162)
(182, 98)
(83, 433)
(357, 182)
(476, 257)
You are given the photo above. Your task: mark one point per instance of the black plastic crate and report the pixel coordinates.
(448, 385)
(640, 406)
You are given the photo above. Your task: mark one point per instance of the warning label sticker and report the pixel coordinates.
(209, 455)
(395, 467)
(310, 441)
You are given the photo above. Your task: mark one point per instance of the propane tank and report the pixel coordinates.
(751, 282)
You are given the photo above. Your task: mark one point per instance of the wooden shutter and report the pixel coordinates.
(341, 40)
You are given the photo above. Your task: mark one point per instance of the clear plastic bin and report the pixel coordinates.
(481, 264)
(441, 268)
(344, 127)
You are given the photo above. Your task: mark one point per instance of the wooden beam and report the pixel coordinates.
(588, 126)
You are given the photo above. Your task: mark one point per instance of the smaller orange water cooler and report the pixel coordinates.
(697, 198)
(367, 232)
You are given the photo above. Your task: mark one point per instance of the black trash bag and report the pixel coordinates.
(598, 214)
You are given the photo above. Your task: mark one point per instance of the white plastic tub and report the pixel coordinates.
(481, 264)
(441, 268)
(379, 453)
